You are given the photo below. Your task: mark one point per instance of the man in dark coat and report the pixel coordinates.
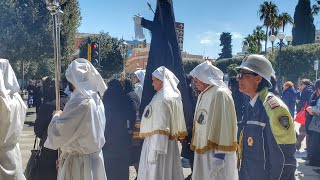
(165, 51)
(306, 90)
(46, 168)
(120, 109)
(289, 96)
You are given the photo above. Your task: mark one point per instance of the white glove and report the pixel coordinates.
(137, 19)
(218, 164)
(152, 157)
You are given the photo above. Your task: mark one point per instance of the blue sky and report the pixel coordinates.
(204, 20)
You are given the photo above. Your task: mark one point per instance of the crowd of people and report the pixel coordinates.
(244, 132)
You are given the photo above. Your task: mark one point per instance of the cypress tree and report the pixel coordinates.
(303, 31)
(226, 51)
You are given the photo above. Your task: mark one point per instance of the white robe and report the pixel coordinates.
(203, 165)
(168, 166)
(79, 133)
(12, 113)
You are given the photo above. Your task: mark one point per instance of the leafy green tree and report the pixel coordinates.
(111, 61)
(26, 34)
(188, 66)
(285, 19)
(303, 31)
(258, 35)
(268, 11)
(226, 51)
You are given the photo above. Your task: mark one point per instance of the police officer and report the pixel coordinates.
(267, 136)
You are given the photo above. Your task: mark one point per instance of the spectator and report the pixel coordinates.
(289, 96)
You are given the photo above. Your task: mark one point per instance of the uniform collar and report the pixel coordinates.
(254, 100)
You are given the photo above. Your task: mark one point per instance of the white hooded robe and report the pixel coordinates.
(12, 117)
(79, 131)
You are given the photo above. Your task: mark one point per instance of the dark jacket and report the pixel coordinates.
(46, 168)
(120, 111)
(289, 96)
(262, 157)
(304, 97)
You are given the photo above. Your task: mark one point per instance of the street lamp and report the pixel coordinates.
(55, 10)
(123, 51)
(272, 38)
(288, 39)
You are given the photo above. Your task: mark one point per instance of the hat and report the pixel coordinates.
(259, 65)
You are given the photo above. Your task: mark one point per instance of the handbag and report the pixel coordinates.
(315, 124)
(301, 115)
(30, 172)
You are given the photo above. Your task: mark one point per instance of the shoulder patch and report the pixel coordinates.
(284, 121)
(272, 101)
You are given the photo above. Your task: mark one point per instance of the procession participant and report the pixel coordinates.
(214, 136)
(79, 130)
(13, 113)
(162, 125)
(267, 135)
(138, 80)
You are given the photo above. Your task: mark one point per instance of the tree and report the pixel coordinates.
(111, 61)
(225, 39)
(303, 31)
(71, 18)
(252, 43)
(26, 34)
(189, 65)
(285, 19)
(267, 12)
(258, 35)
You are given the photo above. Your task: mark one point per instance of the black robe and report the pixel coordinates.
(164, 51)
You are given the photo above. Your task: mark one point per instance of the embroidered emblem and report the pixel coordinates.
(272, 101)
(250, 141)
(284, 121)
(202, 116)
(148, 111)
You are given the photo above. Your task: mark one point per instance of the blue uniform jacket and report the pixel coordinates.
(262, 156)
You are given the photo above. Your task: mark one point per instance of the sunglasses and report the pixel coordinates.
(240, 75)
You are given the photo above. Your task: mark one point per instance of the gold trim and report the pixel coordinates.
(179, 135)
(212, 145)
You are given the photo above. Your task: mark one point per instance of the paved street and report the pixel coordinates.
(26, 144)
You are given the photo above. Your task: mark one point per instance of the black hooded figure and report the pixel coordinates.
(165, 51)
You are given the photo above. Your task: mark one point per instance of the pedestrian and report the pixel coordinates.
(289, 96)
(120, 111)
(186, 152)
(31, 88)
(306, 90)
(214, 138)
(78, 131)
(138, 80)
(46, 165)
(162, 124)
(13, 113)
(267, 135)
(314, 136)
(37, 95)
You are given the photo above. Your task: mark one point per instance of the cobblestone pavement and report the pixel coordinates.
(27, 140)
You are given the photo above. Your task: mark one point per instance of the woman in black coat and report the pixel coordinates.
(289, 96)
(120, 110)
(46, 167)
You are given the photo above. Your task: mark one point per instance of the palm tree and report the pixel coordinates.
(258, 34)
(251, 41)
(285, 19)
(267, 13)
(276, 24)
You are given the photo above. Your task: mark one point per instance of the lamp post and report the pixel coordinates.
(123, 51)
(280, 36)
(288, 39)
(54, 7)
(272, 38)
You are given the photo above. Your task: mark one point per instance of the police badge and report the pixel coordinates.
(284, 121)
